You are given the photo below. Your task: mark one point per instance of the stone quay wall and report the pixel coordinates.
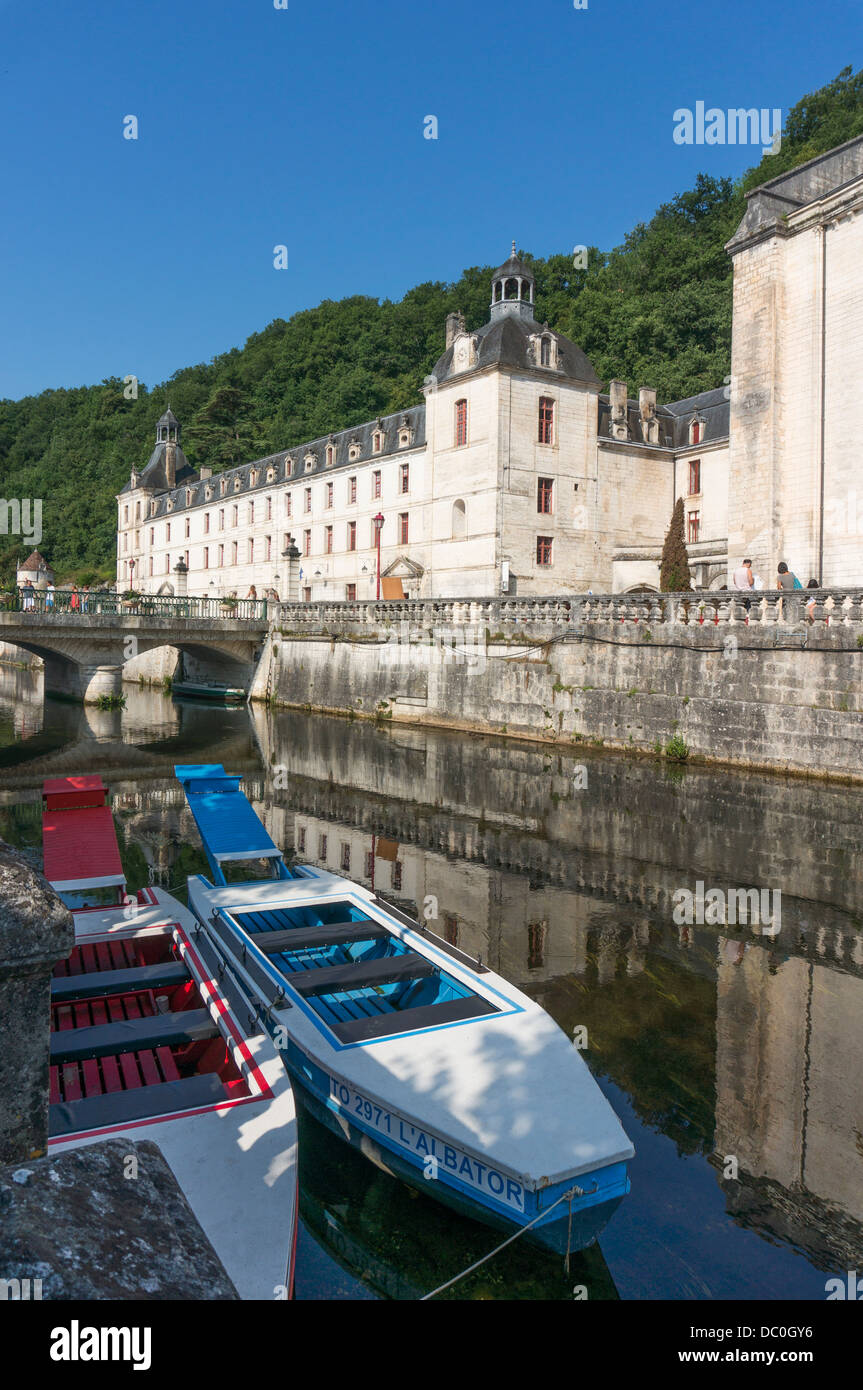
(759, 687)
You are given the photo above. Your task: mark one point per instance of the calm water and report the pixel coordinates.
(710, 1042)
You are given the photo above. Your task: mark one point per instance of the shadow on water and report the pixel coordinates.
(730, 1056)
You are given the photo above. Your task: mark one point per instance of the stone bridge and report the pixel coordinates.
(85, 651)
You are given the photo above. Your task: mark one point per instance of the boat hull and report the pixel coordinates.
(559, 1230)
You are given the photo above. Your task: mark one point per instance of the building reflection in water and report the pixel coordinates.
(726, 1042)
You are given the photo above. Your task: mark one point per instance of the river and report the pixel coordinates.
(731, 1053)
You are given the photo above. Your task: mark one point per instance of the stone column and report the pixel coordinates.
(36, 931)
(291, 558)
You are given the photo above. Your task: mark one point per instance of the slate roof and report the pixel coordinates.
(390, 425)
(712, 407)
(505, 341)
(514, 267)
(169, 418)
(154, 476)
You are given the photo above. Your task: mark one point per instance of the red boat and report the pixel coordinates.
(154, 1036)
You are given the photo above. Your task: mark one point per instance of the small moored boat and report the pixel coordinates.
(154, 1037)
(208, 690)
(436, 1068)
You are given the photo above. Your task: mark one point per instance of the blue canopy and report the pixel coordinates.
(228, 825)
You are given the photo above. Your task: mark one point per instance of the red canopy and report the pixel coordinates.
(78, 837)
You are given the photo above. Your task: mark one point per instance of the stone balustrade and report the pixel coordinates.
(825, 608)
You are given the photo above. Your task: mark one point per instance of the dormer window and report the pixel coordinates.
(353, 451)
(189, 496)
(696, 431)
(545, 351)
(170, 504)
(253, 478)
(153, 507)
(404, 438)
(208, 492)
(377, 442)
(330, 455)
(271, 473)
(223, 487)
(289, 468)
(310, 461)
(237, 484)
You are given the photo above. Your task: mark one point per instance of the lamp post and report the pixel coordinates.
(377, 522)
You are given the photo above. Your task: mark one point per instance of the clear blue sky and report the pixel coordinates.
(304, 126)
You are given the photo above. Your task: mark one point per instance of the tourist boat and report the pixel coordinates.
(153, 1037)
(432, 1065)
(209, 690)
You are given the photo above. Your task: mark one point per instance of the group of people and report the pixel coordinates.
(744, 580)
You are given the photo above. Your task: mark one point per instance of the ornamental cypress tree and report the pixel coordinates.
(674, 576)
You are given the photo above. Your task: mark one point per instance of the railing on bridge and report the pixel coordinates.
(824, 607)
(85, 603)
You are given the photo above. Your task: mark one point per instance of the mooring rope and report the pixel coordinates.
(564, 1197)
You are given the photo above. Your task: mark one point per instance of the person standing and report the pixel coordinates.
(787, 579)
(743, 577)
(49, 597)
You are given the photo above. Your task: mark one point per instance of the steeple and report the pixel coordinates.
(512, 289)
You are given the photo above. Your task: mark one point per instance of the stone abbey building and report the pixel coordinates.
(518, 474)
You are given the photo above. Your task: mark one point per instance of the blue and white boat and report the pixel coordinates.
(436, 1068)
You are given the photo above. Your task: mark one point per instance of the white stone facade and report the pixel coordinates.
(519, 475)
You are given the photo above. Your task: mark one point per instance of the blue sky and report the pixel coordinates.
(304, 127)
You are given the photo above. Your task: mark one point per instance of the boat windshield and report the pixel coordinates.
(106, 896)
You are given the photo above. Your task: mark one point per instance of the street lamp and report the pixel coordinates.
(377, 522)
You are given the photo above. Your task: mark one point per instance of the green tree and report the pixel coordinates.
(674, 576)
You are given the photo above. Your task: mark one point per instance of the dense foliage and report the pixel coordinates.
(655, 311)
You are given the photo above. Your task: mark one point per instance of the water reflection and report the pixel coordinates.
(730, 1056)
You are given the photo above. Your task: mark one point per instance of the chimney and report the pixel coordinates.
(454, 326)
(618, 425)
(171, 463)
(647, 413)
(206, 473)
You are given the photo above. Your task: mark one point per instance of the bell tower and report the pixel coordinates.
(512, 290)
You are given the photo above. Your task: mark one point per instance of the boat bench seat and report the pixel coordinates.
(407, 1020)
(308, 938)
(141, 977)
(121, 1107)
(331, 979)
(132, 1035)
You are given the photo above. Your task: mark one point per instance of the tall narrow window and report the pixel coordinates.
(234, 552)
(206, 557)
(546, 420)
(235, 515)
(377, 442)
(307, 595)
(329, 502)
(251, 551)
(352, 535)
(330, 456)
(352, 489)
(329, 540)
(188, 527)
(459, 519)
(251, 513)
(206, 523)
(695, 432)
(167, 532)
(460, 423)
(544, 495)
(269, 506)
(403, 528)
(376, 483)
(151, 566)
(268, 548)
(693, 526)
(307, 542)
(543, 550)
(288, 511)
(152, 535)
(307, 503)
(221, 556)
(221, 518)
(694, 475)
(545, 352)
(350, 592)
(404, 477)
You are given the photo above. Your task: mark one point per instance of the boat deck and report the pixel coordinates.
(360, 978)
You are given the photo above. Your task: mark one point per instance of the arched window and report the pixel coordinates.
(695, 432)
(545, 352)
(460, 423)
(510, 290)
(459, 519)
